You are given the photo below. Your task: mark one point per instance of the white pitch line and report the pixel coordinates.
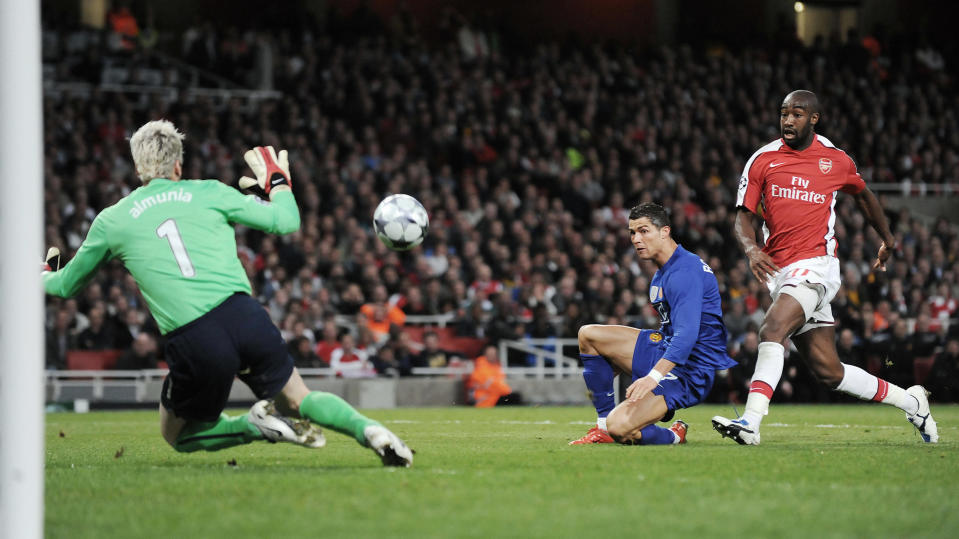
(588, 423)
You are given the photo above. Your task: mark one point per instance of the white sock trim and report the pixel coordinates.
(862, 385)
(769, 363)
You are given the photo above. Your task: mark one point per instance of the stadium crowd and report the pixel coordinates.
(528, 158)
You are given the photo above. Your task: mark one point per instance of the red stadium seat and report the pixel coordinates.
(921, 367)
(445, 333)
(468, 347)
(415, 332)
(92, 360)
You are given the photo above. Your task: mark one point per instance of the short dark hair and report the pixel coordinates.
(652, 211)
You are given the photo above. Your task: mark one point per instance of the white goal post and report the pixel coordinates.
(21, 252)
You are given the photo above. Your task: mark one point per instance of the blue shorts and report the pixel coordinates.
(683, 387)
(235, 339)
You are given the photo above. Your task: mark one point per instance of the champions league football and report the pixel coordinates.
(401, 222)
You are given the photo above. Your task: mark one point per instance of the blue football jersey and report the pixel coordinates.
(685, 293)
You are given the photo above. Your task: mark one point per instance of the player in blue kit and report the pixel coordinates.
(672, 367)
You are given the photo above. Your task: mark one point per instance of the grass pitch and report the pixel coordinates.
(822, 471)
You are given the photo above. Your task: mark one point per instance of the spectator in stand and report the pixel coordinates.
(897, 366)
(566, 294)
(432, 355)
(415, 303)
(883, 317)
(381, 314)
(405, 350)
(847, 313)
(99, 335)
(350, 300)
(865, 330)
(78, 320)
(799, 384)
(59, 339)
(943, 305)
(485, 285)
(736, 319)
(849, 350)
(303, 355)
(943, 380)
(135, 323)
(143, 354)
(124, 26)
(349, 361)
(741, 373)
(925, 344)
(122, 332)
(329, 342)
(385, 363)
(487, 383)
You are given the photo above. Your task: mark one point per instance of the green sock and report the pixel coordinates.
(330, 411)
(215, 435)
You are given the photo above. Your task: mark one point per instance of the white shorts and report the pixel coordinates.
(820, 274)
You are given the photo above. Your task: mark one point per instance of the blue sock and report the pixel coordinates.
(655, 435)
(598, 375)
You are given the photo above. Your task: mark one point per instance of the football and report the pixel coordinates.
(401, 222)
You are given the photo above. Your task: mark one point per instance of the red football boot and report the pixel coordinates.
(680, 428)
(595, 435)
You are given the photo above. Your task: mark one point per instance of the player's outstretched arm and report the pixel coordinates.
(66, 280)
(760, 263)
(872, 210)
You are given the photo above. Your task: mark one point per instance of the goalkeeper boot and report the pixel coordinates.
(595, 435)
(391, 450)
(737, 429)
(679, 428)
(279, 428)
(922, 419)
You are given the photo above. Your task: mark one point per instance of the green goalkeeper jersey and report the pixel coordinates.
(178, 242)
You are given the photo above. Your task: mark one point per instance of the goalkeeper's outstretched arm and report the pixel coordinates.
(71, 278)
(280, 216)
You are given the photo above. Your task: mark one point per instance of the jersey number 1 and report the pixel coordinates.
(168, 230)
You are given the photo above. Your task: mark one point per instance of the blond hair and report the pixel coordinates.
(156, 147)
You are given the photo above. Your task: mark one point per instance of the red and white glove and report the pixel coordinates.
(271, 170)
(52, 262)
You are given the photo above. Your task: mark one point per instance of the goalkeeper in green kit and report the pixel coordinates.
(176, 238)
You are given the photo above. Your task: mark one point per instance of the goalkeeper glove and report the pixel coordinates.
(271, 170)
(53, 260)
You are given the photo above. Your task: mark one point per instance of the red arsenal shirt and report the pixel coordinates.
(797, 193)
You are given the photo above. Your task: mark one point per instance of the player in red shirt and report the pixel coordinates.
(790, 185)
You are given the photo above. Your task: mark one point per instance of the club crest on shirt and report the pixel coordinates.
(825, 165)
(655, 294)
(655, 337)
